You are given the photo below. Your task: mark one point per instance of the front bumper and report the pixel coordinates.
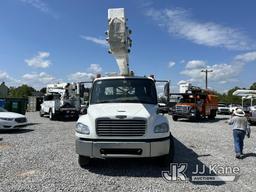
(122, 148)
(185, 115)
(7, 126)
(67, 112)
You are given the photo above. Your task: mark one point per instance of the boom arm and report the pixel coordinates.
(118, 39)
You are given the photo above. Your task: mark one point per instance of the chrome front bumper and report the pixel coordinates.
(125, 149)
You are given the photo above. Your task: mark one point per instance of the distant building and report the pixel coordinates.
(3, 90)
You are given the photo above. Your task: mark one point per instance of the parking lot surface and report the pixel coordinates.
(41, 157)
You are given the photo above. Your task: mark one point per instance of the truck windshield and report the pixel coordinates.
(124, 91)
(187, 100)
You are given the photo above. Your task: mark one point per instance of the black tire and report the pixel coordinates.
(212, 114)
(41, 113)
(198, 117)
(174, 118)
(83, 161)
(51, 115)
(167, 159)
(76, 117)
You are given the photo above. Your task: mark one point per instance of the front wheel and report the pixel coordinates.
(83, 161)
(212, 114)
(174, 118)
(41, 113)
(51, 115)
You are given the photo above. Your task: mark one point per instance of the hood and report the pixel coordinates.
(10, 115)
(185, 104)
(128, 109)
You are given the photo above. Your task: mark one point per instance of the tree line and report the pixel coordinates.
(24, 91)
(230, 98)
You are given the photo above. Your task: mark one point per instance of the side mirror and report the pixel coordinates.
(84, 111)
(162, 110)
(84, 108)
(167, 89)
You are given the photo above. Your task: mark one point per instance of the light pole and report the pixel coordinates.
(206, 71)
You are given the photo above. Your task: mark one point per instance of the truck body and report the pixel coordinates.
(252, 114)
(61, 101)
(122, 120)
(196, 104)
(223, 109)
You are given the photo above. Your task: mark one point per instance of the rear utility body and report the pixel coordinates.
(61, 101)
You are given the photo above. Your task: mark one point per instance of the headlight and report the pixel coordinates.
(193, 110)
(161, 128)
(6, 119)
(83, 129)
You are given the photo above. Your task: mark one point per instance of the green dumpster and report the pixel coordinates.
(17, 105)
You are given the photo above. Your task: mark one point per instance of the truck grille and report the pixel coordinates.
(182, 109)
(113, 127)
(21, 120)
(224, 110)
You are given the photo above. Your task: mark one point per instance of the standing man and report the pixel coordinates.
(240, 128)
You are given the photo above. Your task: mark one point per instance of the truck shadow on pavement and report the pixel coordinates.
(152, 167)
(16, 131)
(205, 120)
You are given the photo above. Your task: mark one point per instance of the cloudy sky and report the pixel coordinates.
(44, 41)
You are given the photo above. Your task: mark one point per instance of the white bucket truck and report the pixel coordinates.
(61, 100)
(123, 119)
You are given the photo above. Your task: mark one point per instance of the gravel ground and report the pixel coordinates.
(41, 157)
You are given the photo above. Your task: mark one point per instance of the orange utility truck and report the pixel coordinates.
(194, 104)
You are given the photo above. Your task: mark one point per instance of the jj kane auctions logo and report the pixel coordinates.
(214, 173)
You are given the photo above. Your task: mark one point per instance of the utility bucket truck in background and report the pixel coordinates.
(195, 103)
(61, 100)
(123, 119)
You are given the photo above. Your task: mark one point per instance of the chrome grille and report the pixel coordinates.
(113, 127)
(21, 120)
(182, 109)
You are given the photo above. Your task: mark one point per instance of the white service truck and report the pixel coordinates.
(123, 119)
(61, 100)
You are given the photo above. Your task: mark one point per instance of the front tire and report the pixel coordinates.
(83, 161)
(51, 115)
(41, 113)
(212, 114)
(174, 118)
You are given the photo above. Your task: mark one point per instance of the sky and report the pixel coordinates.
(44, 41)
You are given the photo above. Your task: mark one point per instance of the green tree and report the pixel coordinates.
(253, 86)
(43, 90)
(21, 91)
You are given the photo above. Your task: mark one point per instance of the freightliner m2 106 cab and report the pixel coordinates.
(123, 119)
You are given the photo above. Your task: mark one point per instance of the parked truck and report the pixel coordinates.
(195, 103)
(61, 100)
(123, 119)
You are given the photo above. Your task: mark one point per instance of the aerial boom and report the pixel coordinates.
(118, 39)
